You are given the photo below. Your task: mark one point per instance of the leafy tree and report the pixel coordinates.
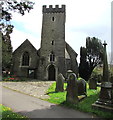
(90, 57)
(8, 7)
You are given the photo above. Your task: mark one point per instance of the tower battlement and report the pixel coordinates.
(53, 10)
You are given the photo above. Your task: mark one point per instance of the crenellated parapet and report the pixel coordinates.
(57, 9)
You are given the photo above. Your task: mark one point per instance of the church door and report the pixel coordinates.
(51, 72)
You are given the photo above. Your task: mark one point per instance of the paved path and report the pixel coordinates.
(34, 88)
(36, 108)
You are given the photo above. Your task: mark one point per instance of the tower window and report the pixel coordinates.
(25, 59)
(52, 57)
(52, 42)
(53, 18)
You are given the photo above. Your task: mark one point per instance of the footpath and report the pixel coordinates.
(33, 107)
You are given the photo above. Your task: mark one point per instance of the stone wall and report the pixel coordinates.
(18, 69)
(73, 59)
(52, 40)
(53, 10)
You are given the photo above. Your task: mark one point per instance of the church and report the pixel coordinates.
(54, 56)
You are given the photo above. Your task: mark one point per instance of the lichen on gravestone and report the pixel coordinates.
(82, 87)
(60, 83)
(72, 89)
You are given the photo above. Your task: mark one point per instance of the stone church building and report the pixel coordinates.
(55, 54)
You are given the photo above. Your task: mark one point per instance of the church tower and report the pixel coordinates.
(52, 51)
(54, 56)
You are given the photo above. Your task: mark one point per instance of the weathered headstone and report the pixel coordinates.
(81, 87)
(60, 83)
(72, 89)
(92, 83)
(68, 73)
(111, 79)
(99, 78)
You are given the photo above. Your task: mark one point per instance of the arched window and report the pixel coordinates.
(25, 59)
(52, 57)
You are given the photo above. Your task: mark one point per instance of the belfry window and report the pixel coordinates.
(25, 59)
(52, 42)
(53, 19)
(52, 57)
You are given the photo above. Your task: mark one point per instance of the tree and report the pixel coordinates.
(90, 57)
(6, 28)
(6, 51)
(10, 6)
(83, 66)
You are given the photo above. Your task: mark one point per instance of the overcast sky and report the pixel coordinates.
(83, 18)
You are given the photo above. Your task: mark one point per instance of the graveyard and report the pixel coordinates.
(76, 93)
(94, 96)
(82, 102)
(51, 76)
(87, 96)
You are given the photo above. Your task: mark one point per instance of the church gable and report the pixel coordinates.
(70, 50)
(25, 46)
(67, 56)
(72, 62)
(24, 59)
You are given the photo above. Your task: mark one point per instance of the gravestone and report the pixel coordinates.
(68, 73)
(111, 79)
(81, 87)
(99, 78)
(72, 89)
(92, 83)
(60, 83)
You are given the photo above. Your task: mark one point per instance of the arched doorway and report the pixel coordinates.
(51, 72)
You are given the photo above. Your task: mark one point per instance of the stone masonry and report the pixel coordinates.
(54, 55)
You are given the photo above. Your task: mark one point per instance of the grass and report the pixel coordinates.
(85, 105)
(7, 113)
(56, 97)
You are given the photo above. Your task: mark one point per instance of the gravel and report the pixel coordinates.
(37, 89)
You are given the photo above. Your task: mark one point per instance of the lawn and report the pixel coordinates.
(7, 113)
(84, 105)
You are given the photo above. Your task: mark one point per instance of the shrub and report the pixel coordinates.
(10, 78)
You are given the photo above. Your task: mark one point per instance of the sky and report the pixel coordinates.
(83, 18)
